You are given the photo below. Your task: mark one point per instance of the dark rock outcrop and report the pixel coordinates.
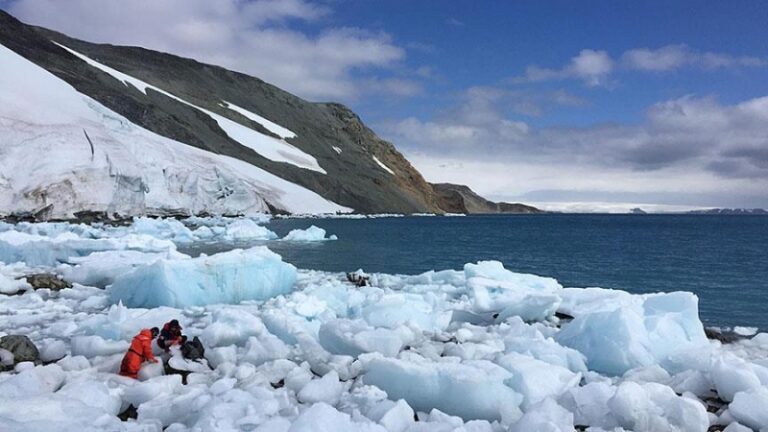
(453, 198)
(21, 347)
(47, 280)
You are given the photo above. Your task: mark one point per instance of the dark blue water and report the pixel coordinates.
(723, 259)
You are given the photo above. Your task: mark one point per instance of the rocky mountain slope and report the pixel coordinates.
(323, 148)
(455, 198)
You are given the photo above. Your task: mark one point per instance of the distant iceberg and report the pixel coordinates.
(310, 234)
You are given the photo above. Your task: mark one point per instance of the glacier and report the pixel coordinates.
(128, 170)
(480, 348)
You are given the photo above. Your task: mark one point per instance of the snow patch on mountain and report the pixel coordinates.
(47, 159)
(381, 164)
(271, 126)
(269, 147)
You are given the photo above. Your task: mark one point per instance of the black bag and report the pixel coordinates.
(193, 350)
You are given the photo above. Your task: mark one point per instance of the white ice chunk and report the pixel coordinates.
(310, 234)
(535, 379)
(654, 407)
(640, 333)
(355, 337)
(9, 284)
(165, 228)
(231, 327)
(92, 346)
(248, 229)
(327, 389)
(229, 277)
(322, 417)
(751, 408)
(547, 416)
(472, 390)
(732, 375)
(94, 394)
(737, 427)
(31, 382)
(394, 309)
(37, 250)
(495, 270)
(100, 269)
(496, 289)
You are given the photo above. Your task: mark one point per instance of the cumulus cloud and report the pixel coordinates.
(673, 57)
(690, 144)
(592, 67)
(595, 68)
(255, 37)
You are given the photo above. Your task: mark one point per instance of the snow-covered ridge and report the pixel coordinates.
(270, 148)
(127, 169)
(476, 349)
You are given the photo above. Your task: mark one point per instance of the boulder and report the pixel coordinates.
(47, 280)
(21, 347)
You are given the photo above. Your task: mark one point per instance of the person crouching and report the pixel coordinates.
(139, 352)
(170, 335)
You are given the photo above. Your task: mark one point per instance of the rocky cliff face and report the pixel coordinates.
(321, 147)
(454, 198)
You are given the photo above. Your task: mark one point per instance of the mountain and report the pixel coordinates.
(454, 198)
(127, 130)
(731, 211)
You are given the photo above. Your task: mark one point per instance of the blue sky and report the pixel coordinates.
(592, 104)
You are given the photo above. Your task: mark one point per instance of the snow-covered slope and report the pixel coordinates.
(322, 147)
(271, 148)
(119, 167)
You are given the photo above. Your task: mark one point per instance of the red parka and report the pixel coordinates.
(139, 352)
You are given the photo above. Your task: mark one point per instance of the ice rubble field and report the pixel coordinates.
(298, 350)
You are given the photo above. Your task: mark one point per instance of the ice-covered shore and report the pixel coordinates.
(476, 349)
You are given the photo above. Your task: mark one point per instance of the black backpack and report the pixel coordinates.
(193, 350)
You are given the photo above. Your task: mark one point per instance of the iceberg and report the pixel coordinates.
(310, 234)
(229, 277)
(248, 229)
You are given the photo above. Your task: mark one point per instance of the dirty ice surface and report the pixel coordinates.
(475, 349)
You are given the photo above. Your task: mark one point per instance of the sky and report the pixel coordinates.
(564, 104)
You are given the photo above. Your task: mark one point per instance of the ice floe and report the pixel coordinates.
(476, 349)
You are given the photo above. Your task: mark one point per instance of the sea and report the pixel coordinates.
(721, 258)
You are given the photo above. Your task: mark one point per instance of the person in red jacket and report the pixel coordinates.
(170, 335)
(139, 352)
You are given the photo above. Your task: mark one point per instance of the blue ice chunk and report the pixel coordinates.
(229, 277)
(641, 331)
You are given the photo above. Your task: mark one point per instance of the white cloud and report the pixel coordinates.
(592, 67)
(595, 68)
(673, 57)
(254, 37)
(690, 145)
